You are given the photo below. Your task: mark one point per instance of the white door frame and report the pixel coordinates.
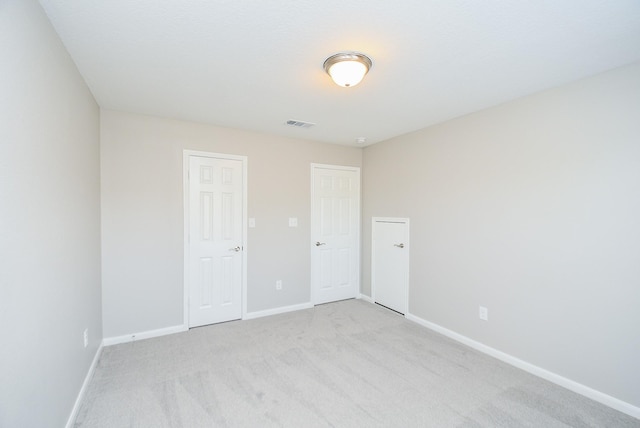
(355, 169)
(402, 220)
(186, 154)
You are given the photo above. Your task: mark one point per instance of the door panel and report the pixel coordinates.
(390, 263)
(205, 285)
(215, 240)
(335, 207)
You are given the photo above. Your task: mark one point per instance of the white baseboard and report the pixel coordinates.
(365, 298)
(108, 341)
(76, 406)
(569, 384)
(276, 311)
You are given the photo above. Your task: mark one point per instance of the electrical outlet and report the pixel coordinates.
(293, 221)
(279, 284)
(483, 313)
(85, 336)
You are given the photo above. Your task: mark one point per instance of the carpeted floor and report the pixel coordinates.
(344, 364)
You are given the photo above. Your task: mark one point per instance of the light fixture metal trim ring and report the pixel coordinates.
(347, 56)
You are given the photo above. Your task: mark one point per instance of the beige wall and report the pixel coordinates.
(531, 209)
(49, 222)
(142, 212)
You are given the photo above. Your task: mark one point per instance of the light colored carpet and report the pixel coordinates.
(344, 364)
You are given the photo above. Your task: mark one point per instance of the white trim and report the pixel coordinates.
(108, 341)
(338, 167)
(569, 384)
(357, 170)
(76, 406)
(407, 267)
(245, 209)
(365, 298)
(391, 219)
(276, 311)
(185, 236)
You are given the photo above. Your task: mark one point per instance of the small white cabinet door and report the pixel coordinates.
(390, 263)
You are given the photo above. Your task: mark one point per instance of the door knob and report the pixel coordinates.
(236, 249)
(401, 245)
(320, 243)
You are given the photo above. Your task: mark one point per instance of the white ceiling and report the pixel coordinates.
(255, 64)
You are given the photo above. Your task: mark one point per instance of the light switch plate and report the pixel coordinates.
(293, 222)
(483, 313)
(252, 222)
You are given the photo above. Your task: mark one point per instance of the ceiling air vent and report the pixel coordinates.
(299, 124)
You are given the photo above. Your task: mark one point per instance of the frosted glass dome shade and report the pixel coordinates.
(347, 69)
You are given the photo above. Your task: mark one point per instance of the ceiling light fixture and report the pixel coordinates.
(347, 68)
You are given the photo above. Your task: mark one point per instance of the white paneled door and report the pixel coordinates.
(390, 263)
(335, 231)
(215, 240)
